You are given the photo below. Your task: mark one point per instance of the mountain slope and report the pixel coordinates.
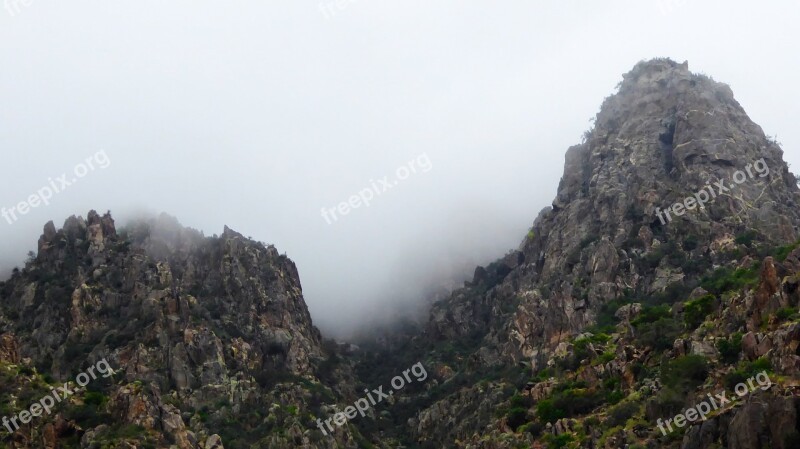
(207, 336)
(611, 318)
(592, 308)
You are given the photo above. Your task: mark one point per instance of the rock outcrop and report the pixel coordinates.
(205, 333)
(605, 257)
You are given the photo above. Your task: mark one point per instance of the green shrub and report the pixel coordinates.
(726, 279)
(787, 313)
(577, 401)
(580, 351)
(746, 371)
(783, 252)
(516, 417)
(570, 399)
(730, 349)
(651, 314)
(613, 397)
(547, 411)
(604, 358)
(746, 238)
(668, 402)
(695, 311)
(558, 442)
(95, 398)
(534, 428)
(620, 414)
(659, 335)
(676, 291)
(543, 375)
(606, 320)
(684, 373)
(690, 242)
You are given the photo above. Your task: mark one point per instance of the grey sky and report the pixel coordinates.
(259, 114)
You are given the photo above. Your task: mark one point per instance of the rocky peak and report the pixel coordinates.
(605, 291)
(664, 136)
(205, 319)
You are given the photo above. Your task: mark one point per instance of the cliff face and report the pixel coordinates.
(207, 335)
(606, 252)
(667, 135)
(164, 276)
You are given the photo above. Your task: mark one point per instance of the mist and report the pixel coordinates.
(262, 115)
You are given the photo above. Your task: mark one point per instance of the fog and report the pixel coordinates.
(259, 115)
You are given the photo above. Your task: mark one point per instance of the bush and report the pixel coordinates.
(621, 414)
(516, 417)
(651, 314)
(606, 320)
(690, 243)
(95, 398)
(580, 351)
(534, 428)
(746, 238)
(571, 399)
(604, 358)
(547, 411)
(695, 311)
(558, 442)
(668, 402)
(730, 349)
(659, 335)
(577, 401)
(746, 371)
(613, 397)
(787, 313)
(725, 279)
(685, 373)
(783, 252)
(674, 292)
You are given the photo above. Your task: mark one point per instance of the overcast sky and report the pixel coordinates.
(258, 114)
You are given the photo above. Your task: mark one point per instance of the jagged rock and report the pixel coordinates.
(214, 442)
(9, 349)
(666, 135)
(628, 311)
(201, 321)
(763, 418)
(703, 348)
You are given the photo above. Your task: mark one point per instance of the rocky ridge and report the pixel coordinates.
(210, 337)
(557, 321)
(604, 320)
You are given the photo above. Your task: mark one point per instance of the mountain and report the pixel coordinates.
(619, 311)
(573, 339)
(207, 335)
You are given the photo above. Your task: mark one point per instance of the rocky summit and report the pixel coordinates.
(655, 304)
